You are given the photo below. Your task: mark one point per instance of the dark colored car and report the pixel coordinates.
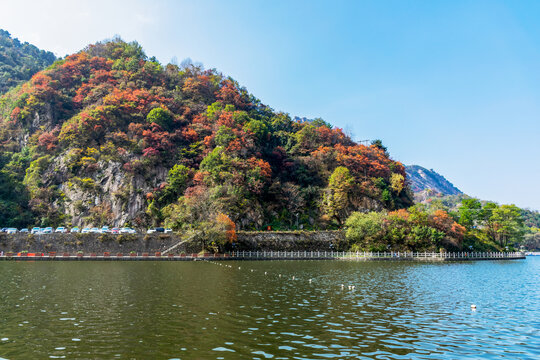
(160, 229)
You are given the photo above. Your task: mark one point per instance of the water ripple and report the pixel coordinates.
(204, 310)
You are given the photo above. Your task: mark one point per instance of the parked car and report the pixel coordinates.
(126, 230)
(86, 231)
(95, 230)
(61, 230)
(24, 231)
(115, 230)
(160, 229)
(3, 230)
(75, 229)
(150, 231)
(11, 230)
(105, 230)
(35, 230)
(168, 231)
(47, 230)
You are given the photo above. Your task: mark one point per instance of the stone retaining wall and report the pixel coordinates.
(91, 243)
(125, 243)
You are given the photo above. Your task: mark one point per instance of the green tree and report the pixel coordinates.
(176, 184)
(162, 117)
(378, 144)
(218, 164)
(508, 224)
(337, 202)
(258, 128)
(224, 136)
(213, 110)
(364, 229)
(470, 213)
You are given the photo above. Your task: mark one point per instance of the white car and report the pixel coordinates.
(168, 231)
(35, 230)
(75, 229)
(11, 231)
(151, 231)
(95, 231)
(86, 231)
(105, 230)
(126, 230)
(61, 230)
(47, 230)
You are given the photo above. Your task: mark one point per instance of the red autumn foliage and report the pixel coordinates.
(48, 141)
(229, 94)
(229, 227)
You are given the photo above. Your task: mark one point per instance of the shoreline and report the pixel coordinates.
(269, 256)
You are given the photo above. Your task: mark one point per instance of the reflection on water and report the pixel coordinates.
(231, 310)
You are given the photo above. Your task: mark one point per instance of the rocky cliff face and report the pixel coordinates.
(422, 179)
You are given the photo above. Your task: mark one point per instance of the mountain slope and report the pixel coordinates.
(110, 136)
(423, 179)
(19, 61)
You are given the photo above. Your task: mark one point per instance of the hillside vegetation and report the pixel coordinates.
(19, 61)
(488, 224)
(110, 136)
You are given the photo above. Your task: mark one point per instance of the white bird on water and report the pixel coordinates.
(473, 307)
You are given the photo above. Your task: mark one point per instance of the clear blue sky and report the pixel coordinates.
(449, 85)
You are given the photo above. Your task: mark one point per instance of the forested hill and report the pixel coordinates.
(110, 136)
(423, 179)
(19, 61)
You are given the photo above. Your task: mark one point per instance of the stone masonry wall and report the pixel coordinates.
(125, 243)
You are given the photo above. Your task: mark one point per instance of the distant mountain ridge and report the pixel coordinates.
(422, 179)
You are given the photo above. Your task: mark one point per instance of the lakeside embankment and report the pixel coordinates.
(272, 255)
(286, 245)
(159, 242)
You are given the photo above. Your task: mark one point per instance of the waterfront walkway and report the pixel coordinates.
(273, 255)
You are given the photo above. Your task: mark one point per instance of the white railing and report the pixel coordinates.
(350, 255)
(268, 255)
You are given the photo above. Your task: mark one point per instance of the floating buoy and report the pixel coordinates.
(279, 275)
(251, 270)
(310, 281)
(239, 268)
(293, 277)
(265, 273)
(473, 307)
(342, 286)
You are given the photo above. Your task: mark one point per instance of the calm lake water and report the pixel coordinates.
(203, 310)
